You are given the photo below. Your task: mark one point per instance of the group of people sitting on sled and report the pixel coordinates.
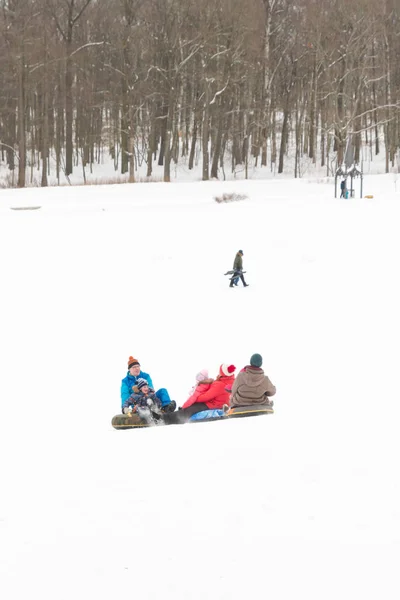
(250, 387)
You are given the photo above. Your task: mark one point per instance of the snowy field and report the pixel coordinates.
(301, 504)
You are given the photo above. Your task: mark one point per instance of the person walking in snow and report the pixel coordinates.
(215, 397)
(238, 270)
(131, 379)
(252, 386)
(343, 189)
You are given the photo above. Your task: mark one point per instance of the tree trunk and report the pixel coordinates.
(322, 141)
(274, 145)
(21, 122)
(169, 125)
(124, 127)
(313, 112)
(193, 144)
(69, 148)
(284, 135)
(45, 135)
(131, 146)
(163, 133)
(151, 147)
(206, 134)
(11, 132)
(45, 115)
(340, 134)
(218, 140)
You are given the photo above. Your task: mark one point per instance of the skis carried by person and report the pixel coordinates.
(234, 276)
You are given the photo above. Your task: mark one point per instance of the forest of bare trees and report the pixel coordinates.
(235, 81)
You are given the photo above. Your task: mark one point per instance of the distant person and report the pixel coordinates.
(252, 386)
(215, 397)
(131, 379)
(343, 189)
(238, 270)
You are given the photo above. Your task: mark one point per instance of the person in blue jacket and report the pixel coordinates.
(131, 379)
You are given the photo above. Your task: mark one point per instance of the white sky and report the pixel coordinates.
(301, 504)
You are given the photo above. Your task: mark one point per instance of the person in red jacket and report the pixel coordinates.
(215, 397)
(203, 383)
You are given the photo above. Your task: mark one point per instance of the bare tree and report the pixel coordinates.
(66, 17)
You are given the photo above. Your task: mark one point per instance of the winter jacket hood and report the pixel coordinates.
(251, 386)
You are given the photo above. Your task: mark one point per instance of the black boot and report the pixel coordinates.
(169, 408)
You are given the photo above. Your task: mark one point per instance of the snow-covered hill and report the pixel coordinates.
(301, 504)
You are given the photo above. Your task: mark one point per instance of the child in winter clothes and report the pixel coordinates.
(215, 397)
(203, 383)
(142, 397)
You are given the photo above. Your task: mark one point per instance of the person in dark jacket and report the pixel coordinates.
(238, 268)
(343, 189)
(252, 386)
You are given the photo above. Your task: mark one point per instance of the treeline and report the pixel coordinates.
(238, 81)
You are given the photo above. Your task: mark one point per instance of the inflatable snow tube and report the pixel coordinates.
(132, 421)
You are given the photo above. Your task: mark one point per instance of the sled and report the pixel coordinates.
(234, 276)
(129, 421)
(249, 411)
(233, 272)
(133, 421)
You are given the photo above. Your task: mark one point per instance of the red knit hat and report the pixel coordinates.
(132, 362)
(227, 370)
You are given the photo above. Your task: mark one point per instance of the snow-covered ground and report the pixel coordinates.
(301, 504)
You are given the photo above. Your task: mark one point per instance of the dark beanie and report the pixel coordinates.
(256, 360)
